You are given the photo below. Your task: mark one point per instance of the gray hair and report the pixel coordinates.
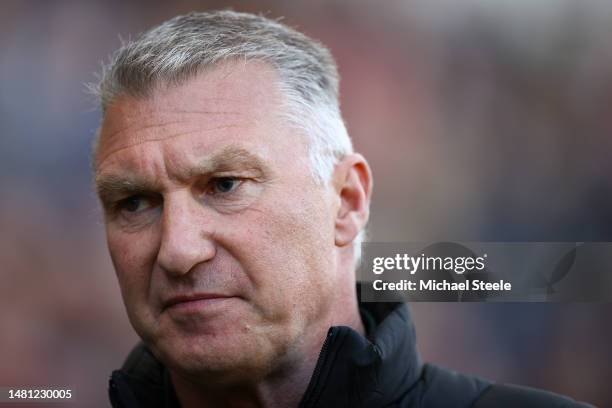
(184, 46)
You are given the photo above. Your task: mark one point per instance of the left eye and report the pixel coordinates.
(225, 184)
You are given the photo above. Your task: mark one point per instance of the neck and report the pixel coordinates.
(270, 393)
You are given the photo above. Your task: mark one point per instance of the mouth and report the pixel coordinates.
(196, 301)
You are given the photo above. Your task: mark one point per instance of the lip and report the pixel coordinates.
(200, 299)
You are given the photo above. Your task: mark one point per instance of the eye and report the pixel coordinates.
(224, 185)
(134, 204)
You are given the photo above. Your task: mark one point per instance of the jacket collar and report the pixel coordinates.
(371, 371)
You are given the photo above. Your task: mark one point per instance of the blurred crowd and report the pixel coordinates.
(483, 121)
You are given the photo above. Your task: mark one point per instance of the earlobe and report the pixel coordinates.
(353, 182)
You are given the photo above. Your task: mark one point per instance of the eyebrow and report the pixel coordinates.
(111, 187)
(228, 159)
(231, 158)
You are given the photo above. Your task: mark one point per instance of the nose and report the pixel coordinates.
(186, 239)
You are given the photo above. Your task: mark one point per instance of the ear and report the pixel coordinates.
(352, 180)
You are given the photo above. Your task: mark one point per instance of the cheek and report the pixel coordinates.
(288, 253)
(133, 255)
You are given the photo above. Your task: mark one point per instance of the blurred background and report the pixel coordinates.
(483, 121)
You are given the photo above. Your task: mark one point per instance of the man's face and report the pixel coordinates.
(222, 241)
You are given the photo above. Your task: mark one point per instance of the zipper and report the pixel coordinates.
(112, 393)
(314, 390)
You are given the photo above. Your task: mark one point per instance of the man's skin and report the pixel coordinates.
(233, 261)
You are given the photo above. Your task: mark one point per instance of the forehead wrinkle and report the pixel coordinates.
(207, 112)
(141, 127)
(129, 117)
(160, 138)
(181, 111)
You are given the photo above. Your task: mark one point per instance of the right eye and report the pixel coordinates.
(135, 204)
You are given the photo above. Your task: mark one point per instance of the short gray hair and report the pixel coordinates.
(184, 46)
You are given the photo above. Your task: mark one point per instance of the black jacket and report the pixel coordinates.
(382, 370)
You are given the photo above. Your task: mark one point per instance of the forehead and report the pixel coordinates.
(239, 101)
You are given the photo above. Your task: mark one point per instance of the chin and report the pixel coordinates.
(217, 360)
